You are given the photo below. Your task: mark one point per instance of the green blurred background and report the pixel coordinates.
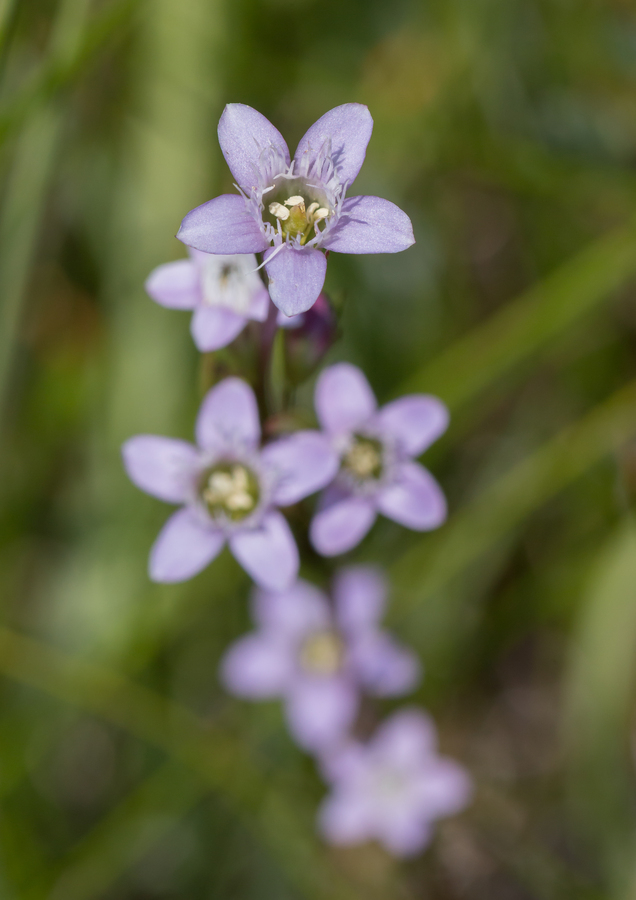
(508, 132)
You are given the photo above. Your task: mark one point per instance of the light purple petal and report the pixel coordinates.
(184, 547)
(228, 417)
(175, 285)
(243, 135)
(359, 594)
(320, 711)
(344, 400)
(213, 327)
(370, 225)
(223, 226)
(348, 128)
(295, 277)
(415, 499)
(384, 667)
(414, 421)
(404, 834)
(259, 307)
(345, 817)
(257, 666)
(269, 553)
(341, 526)
(163, 467)
(299, 465)
(293, 612)
(442, 788)
(406, 739)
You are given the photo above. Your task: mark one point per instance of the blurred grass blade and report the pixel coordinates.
(531, 322)
(600, 688)
(437, 558)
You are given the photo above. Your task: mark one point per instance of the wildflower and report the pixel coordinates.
(292, 210)
(393, 788)
(377, 470)
(225, 292)
(318, 658)
(229, 489)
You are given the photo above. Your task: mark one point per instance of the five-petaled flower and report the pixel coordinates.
(393, 788)
(294, 209)
(229, 489)
(319, 658)
(377, 469)
(225, 292)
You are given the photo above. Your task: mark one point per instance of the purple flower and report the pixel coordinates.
(228, 489)
(224, 292)
(294, 209)
(377, 471)
(317, 657)
(393, 788)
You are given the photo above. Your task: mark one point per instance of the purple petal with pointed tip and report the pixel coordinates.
(414, 499)
(228, 417)
(184, 547)
(213, 327)
(295, 277)
(300, 465)
(359, 594)
(243, 134)
(175, 285)
(269, 553)
(349, 128)
(342, 525)
(370, 225)
(292, 612)
(344, 400)
(320, 711)
(223, 226)
(163, 467)
(257, 666)
(415, 421)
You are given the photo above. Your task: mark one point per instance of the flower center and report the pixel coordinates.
(229, 490)
(363, 458)
(390, 784)
(230, 283)
(322, 653)
(296, 207)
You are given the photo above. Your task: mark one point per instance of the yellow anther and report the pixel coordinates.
(278, 210)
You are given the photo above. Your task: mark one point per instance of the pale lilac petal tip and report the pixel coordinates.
(213, 327)
(222, 226)
(300, 465)
(415, 421)
(257, 666)
(348, 128)
(344, 400)
(163, 467)
(243, 135)
(295, 277)
(268, 554)
(360, 596)
(320, 711)
(407, 738)
(415, 499)
(345, 818)
(341, 526)
(175, 285)
(184, 547)
(383, 666)
(370, 225)
(228, 417)
(298, 609)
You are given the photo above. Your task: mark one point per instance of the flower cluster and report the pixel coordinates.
(325, 655)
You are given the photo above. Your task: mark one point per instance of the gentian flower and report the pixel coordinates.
(393, 788)
(225, 292)
(294, 209)
(317, 657)
(376, 449)
(229, 489)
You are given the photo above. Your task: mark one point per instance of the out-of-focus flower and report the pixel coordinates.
(294, 209)
(229, 489)
(225, 292)
(308, 336)
(393, 788)
(318, 658)
(377, 470)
